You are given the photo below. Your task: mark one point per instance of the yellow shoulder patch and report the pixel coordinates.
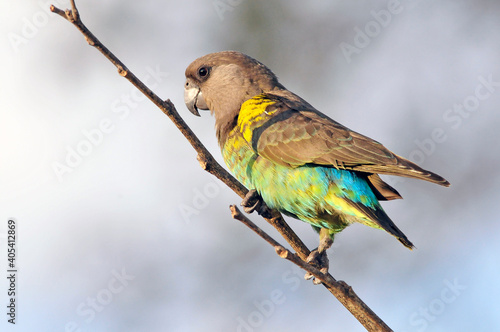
(253, 114)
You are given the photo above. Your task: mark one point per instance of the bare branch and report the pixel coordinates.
(207, 161)
(339, 289)
(57, 11)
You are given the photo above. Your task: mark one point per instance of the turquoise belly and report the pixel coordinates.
(321, 196)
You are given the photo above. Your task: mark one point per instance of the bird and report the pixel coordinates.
(291, 156)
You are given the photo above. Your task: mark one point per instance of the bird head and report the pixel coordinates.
(221, 82)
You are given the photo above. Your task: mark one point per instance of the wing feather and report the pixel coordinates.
(306, 136)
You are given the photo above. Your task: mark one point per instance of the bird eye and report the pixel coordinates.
(203, 71)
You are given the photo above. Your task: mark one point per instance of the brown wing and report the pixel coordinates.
(295, 137)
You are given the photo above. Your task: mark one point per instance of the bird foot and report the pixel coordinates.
(253, 202)
(319, 260)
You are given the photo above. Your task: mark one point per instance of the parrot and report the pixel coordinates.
(291, 156)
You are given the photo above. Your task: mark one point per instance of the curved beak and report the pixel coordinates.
(193, 98)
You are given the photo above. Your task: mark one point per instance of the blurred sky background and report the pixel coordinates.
(134, 236)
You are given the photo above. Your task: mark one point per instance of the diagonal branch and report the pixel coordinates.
(339, 289)
(207, 161)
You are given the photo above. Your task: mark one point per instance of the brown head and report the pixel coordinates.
(221, 82)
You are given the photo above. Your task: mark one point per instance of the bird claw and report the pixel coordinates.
(253, 202)
(320, 260)
(318, 256)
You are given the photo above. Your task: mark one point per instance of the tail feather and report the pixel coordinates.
(378, 217)
(388, 225)
(407, 243)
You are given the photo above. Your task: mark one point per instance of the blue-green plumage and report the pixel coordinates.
(324, 196)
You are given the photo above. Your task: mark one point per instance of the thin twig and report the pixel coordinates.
(280, 250)
(339, 289)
